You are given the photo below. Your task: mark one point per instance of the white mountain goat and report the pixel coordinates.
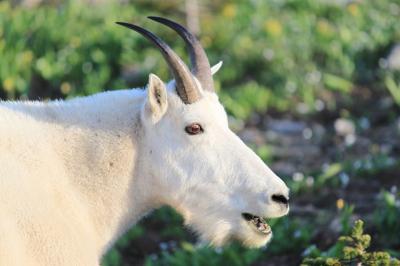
(75, 175)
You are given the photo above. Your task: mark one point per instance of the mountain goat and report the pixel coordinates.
(75, 175)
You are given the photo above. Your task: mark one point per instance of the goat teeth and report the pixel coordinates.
(258, 223)
(266, 229)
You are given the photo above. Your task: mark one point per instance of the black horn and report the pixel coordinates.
(198, 57)
(186, 86)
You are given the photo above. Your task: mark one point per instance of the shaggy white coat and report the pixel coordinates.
(75, 175)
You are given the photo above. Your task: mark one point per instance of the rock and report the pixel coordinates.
(344, 127)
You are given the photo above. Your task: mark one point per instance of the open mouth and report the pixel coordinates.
(257, 223)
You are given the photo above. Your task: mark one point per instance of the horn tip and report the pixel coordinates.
(154, 17)
(129, 26)
(122, 23)
(161, 20)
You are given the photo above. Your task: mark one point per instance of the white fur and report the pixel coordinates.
(216, 67)
(75, 175)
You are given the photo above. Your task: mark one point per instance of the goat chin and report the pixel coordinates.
(249, 239)
(217, 231)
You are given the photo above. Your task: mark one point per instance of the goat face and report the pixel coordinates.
(202, 169)
(195, 163)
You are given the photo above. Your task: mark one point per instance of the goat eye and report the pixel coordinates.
(194, 129)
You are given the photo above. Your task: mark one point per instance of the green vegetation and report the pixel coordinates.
(312, 61)
(387, 218)
(351, 250)
(286, 52)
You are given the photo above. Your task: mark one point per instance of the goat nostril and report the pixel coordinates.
(279, 198)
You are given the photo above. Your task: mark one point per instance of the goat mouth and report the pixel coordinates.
(257, 223)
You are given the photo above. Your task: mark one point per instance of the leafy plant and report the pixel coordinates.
(387, 217)
(353, 251)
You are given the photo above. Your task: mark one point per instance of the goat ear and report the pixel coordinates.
(216, 67)
(156, 104)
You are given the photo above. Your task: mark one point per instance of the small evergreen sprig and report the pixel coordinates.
(354, 252)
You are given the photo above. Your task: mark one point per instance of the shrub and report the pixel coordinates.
(351, 250)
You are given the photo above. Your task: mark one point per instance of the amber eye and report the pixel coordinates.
(194, 129)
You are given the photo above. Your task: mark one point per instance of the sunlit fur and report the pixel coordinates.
(75, 175)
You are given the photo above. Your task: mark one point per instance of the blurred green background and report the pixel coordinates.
(312, 86)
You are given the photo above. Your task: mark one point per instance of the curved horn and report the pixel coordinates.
(185, 84)
(198, 57)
